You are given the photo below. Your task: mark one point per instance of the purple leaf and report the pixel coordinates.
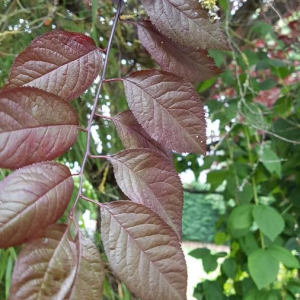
(89, 279)
(60, 62)
(149, 178)
(143, 251)
(133, 135)
(168, 108)
(186, 22)
(46, 267)
(31, 199)
(193, 65)
(34, 126)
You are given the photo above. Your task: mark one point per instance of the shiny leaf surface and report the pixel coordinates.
(168, 108)
(46, 267)
(143, 251)
(186, 22)
(89, 279)
(60, 62)
(34, 126)
(193, 65)
(31, 199)
(133, 135)
(149, 178)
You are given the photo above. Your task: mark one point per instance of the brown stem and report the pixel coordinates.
(96, 100)
(98, 156)
(90, 200)
(102, 117)
(112, 80)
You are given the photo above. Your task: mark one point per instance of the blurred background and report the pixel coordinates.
(253, 151)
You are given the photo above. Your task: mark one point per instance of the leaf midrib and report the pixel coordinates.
(165, 109)
(53, 70)
(33, 203)
(142, 250)
(173, 226)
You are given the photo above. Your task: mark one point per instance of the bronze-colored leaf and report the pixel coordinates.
(168, 108)
(143, 251)
(46, 268)
(34, 126)
(89, 279)
(133, 135)
(149, 178)
(187, 23)
(191, 64)
(31, 199)
(60, 62)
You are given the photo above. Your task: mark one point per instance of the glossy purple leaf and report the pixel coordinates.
(168, 108)
(133, 135)
(148, 177)
(31, 199)
(143, 251)
(46, 267)
(193, 65)
(34, 126)
(60, 62)
(187, 23)
(89, 278)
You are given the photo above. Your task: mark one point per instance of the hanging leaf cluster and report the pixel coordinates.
(141, 237)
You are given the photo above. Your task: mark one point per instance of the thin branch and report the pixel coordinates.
(103, 117)
(113, 80)
(98, 156)
(96, 100)
(203, 192)
(90, 200)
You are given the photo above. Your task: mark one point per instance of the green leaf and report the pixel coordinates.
(248, 243)
(294, 287)
(203, 86)
(8, 274)
(212, 290)
(246, 195)
(267, 84)
(218, 56)
(199, 253)
(271, 161)
(229, 267)
(215, 178)
(262, 28)
(268, 295)
(263, 268)
(284, 256)
(240, 220)
(268, 220)
(210, 263)
(221, 238)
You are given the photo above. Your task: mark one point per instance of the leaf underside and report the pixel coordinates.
(60, 62)
(46, 267)
(34, 126)
(186, 22)
(133, 135)
(31, 199)
(191, 64)
(89, 278)
(168, 108)
(149, 178)
(143, 251)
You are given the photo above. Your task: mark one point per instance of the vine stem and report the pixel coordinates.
(96, 100)
(256, 201)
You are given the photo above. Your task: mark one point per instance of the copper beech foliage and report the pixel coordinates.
(142, 237)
